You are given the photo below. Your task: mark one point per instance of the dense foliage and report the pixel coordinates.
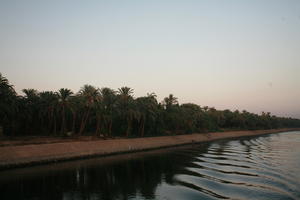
(111, 113)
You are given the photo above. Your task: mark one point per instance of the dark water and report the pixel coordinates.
(266, 167)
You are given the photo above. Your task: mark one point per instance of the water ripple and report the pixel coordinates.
(260, 168)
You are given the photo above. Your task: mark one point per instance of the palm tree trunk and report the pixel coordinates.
(50, 119)
(142, 127)
(98, 131)
(82, 123)
(110, 128)
(84, 120)
(128, 127)
(54, 121)
(74, 122)
(63, 128)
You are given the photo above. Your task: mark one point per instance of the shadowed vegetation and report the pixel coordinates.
(110, 113)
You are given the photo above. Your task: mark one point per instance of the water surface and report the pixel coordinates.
(264, 167)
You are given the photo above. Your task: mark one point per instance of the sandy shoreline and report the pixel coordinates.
(25, 155)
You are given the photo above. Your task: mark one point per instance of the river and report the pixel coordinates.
(262, 167)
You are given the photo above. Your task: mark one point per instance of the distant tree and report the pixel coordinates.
(63, 98)
(99, 110)
(147, 107)
(109, 99)
(89, 95)
(110, 113)
(191, 117)
(32, 107)
(48, 110)
(75, 103)
(8, 106)
(127, 107)
(170, 101)
(172, 114)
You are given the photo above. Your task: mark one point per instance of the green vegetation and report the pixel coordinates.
(111, 113)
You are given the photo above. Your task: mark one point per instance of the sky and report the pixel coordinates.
(235, 54)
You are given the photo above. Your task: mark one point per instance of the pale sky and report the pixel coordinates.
(236, 54)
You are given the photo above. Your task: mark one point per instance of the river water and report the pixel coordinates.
(263, 167)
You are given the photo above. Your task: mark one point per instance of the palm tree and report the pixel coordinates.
(30, 93)
(147, 107)
(191, 117)
(99, 109)
(170, 101)
(171, 113)
(8, 105)
(31, 101)
(48, 109)
(109, 103)
(63, 97)
(126, 104)
(125, 93)
(89, 95)
(75, 103)
(5, 87)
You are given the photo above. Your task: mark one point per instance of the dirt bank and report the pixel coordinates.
(22, 155)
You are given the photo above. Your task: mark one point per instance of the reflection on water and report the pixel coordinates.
(266, 167)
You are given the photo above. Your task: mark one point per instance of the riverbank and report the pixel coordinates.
(32, 154)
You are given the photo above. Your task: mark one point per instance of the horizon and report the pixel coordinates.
(238, 55)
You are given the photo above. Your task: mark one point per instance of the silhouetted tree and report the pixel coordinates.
(111, 113)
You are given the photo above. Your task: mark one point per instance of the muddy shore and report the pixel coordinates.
(13, 156)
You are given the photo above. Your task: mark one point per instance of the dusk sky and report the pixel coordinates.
(236, 54)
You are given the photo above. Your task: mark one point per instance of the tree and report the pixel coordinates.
(126, 105)
(75, 103)
(147, 107)
(109, 103)
(63, 98)
(8, 105)
(191, 117)
(48, 109)
(170, 101)
(32, 107)
(89, 95)
(172, 115)
(108, 112)
(99, 109)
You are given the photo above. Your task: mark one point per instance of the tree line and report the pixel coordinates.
(110, 113)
